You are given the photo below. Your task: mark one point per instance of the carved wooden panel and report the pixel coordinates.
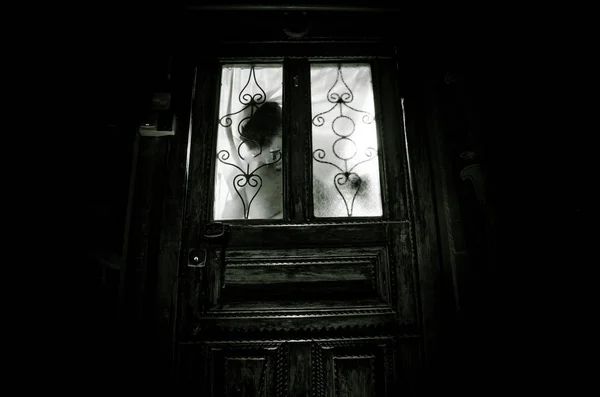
(236, 368)
(359, 367)
(376, 365)
(320, 287)
(300, 369)
(306, 286)
(305, 275)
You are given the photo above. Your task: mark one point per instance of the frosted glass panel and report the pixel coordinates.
(248, 178)
(346, 179)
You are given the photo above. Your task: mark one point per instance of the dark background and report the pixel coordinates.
(480, 109)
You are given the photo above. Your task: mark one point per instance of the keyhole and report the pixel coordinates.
(196, 257)
(295, 81)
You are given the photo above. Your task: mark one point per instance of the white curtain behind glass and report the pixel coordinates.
(266, 201)
(357, 193)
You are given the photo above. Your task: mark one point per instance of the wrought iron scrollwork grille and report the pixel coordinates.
(341, 100)
(247, 177)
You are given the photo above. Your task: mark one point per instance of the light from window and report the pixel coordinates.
(346, 179)
(248, 178)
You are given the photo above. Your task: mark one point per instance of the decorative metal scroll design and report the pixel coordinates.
(346, 178)
(247, 177)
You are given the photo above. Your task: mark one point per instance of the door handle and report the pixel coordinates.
(215, 237)
(216, 231)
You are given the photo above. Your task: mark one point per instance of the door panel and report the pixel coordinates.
(279, 297)
(295, 275)
(233, 368)
(352, 279)
(357, 367)
(353, 367)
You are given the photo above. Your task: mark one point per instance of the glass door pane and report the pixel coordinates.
(248, 177)
(346, 181)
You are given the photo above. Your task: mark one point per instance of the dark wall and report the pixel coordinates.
(128, 61)
(463, 126)
(119, 62)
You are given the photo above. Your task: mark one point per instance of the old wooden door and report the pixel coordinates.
(303, 225)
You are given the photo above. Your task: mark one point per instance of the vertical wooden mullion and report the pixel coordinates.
(296, 124)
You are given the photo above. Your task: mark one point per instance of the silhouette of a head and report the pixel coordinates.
(263, 126)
